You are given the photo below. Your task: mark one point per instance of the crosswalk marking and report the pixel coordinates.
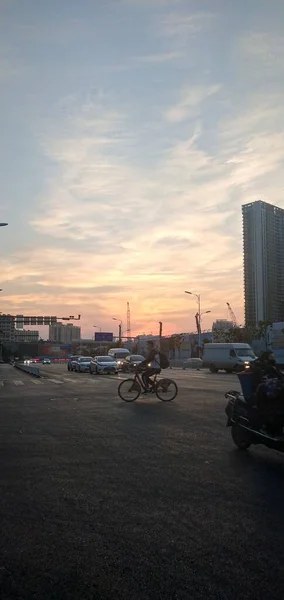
(98, 383)
(47, 381)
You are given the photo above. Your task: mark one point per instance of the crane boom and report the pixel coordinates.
(232, 315)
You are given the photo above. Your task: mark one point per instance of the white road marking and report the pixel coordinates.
(36, 382)
(70, 380)
(55, 380)
(2, 383)
(18, 382)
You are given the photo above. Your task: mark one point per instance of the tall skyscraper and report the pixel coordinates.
(263, 240)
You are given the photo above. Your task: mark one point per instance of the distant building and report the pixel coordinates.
(7, 328)
(263, 240)
(222, 324)
(26, 335)
(64, 334)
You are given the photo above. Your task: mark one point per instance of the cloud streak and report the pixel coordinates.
(190, 102)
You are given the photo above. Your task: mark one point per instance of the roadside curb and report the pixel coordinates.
(28, 369)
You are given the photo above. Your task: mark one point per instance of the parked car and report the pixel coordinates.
(131, 362)
(82, 364)
(103, 364)
(71, 362)
(46, 361)
(192, 363)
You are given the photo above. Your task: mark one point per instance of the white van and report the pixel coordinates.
(118, 354)
(230, 357)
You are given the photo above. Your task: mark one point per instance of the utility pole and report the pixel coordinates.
(160, 333)
(128, 324)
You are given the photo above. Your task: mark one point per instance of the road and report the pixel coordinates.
(103, 499)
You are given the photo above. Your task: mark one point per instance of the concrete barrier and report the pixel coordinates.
(31, 369)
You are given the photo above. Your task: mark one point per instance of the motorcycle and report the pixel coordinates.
(246, 425)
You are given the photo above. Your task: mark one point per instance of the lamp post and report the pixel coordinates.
(205, 313)
(96, 327)
(119, 328)
(198, 297)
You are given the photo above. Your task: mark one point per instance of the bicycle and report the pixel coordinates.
(130, 389)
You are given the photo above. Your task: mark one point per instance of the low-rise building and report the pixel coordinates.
(26, 335)
(222, 324)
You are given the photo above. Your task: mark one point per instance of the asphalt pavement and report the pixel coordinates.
(106, 500)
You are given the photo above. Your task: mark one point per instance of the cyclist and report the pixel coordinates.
(152, 364)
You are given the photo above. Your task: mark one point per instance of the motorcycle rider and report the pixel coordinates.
(264, 366)
(268, 384)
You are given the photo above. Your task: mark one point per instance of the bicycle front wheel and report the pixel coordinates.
(129, 390)
(166, 389)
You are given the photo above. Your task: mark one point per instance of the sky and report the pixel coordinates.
(132, 131)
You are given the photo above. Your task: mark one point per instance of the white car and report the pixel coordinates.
(192, 363)
(103, 364)
(82, 364)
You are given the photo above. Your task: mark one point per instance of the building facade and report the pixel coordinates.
(64, 334)
(263, 246)
(26, 335)
(7, 328)
(222, 324)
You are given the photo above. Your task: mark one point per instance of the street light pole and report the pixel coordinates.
(96, 327)
(119, 328)
(198, 296)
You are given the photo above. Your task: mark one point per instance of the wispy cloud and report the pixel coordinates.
(263, 47)
(158, 58)
(152, 3)
(181, 24)
(190, 102)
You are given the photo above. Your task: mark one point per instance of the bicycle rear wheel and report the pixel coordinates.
(166, 389)
(129, 390)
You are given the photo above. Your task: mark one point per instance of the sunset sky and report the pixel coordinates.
(132, 131)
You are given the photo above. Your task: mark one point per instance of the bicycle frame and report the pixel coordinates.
(158, 387)
(138, 377)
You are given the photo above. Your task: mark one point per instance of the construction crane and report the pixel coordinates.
(128, 321)
(232, 315)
